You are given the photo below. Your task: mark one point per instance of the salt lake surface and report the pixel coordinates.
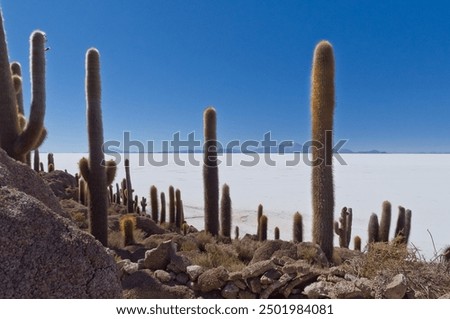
(419, 182)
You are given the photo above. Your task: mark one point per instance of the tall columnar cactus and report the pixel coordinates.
(82, 192)
(408, 215)
(16, 71)
(259, 214)
(179, 213)
(154, 203)
(171, 205)
(357, 243)
(225, 212)
(93, 170)
(129, 192)
(262, 236)
(16, 138)
(297, 229)
(144, 205)
(385, 222)
(210, 172)
(373, 229)
(163, 208)
(276, 233)
(400, 228)
(322, 109)
(236, 232)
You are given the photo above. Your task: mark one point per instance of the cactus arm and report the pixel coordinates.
(31, 135)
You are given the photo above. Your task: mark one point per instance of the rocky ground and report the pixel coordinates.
(47, 253)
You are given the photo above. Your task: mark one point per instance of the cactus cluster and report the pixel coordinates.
(343, 228)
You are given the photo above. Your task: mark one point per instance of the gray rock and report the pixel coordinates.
(270, 247)
(142, 284)
(270, 276)
(159, 257)
(366, 287)
(298, 266)
(276, 285)
(130, 267)
(230, 291)
(240, 284)
(257, 269)
(346, 290)
(318, 290)
(61, 183)
(18, 175)
(45, 256)
(194, 271)
(212, 279)
(178, 263)
(298, 284)
(255, 285)
(245, 294)
(182, 278)
(312, 253)
(235, 275)
(162, 275)
(396, 289)
(446, 296)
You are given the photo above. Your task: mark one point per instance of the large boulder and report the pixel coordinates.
(18, 175)
(45, 256)
(61, 183)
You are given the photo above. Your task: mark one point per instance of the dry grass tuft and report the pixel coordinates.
(216, 255)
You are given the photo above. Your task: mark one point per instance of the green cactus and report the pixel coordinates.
(171, 205)
(262, 236)
(322, 109)
(373, 229)
(82, 192)
(16, 70)
(93, 170)
(163, 208)
(210, 172)
(276, 233)
(154, 203)
(225, 212)
(129, 192)
(16, 138)
(357, 243)
(297, 233)
(111, 170)
(385, 221)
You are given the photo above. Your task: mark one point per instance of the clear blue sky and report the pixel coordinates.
(164, 61)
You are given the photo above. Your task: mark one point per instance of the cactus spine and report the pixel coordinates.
(154, 203)
(225, 212)
(297, 232)
(15, 138)
(210, 172)
(322, 109)
(93, 170)
(400, 228)
(373, 229)
(50, 162)
(258, 216)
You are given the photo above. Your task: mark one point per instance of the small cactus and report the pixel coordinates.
(357, 243)
(262, 236)
(408, 215)
(297, 232)
(129, 193)
(36, 160)
(385, 222)
(341, 228)
(144, 205)
(163, 208)
(82, 192)
(236, 232)
(50, 162)
(400, 228)
(258, 218)
(127, 227)
(171, 205)
(179, 210)
(154, 203)
(225, 212)
(276, 233)
(373, 229)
